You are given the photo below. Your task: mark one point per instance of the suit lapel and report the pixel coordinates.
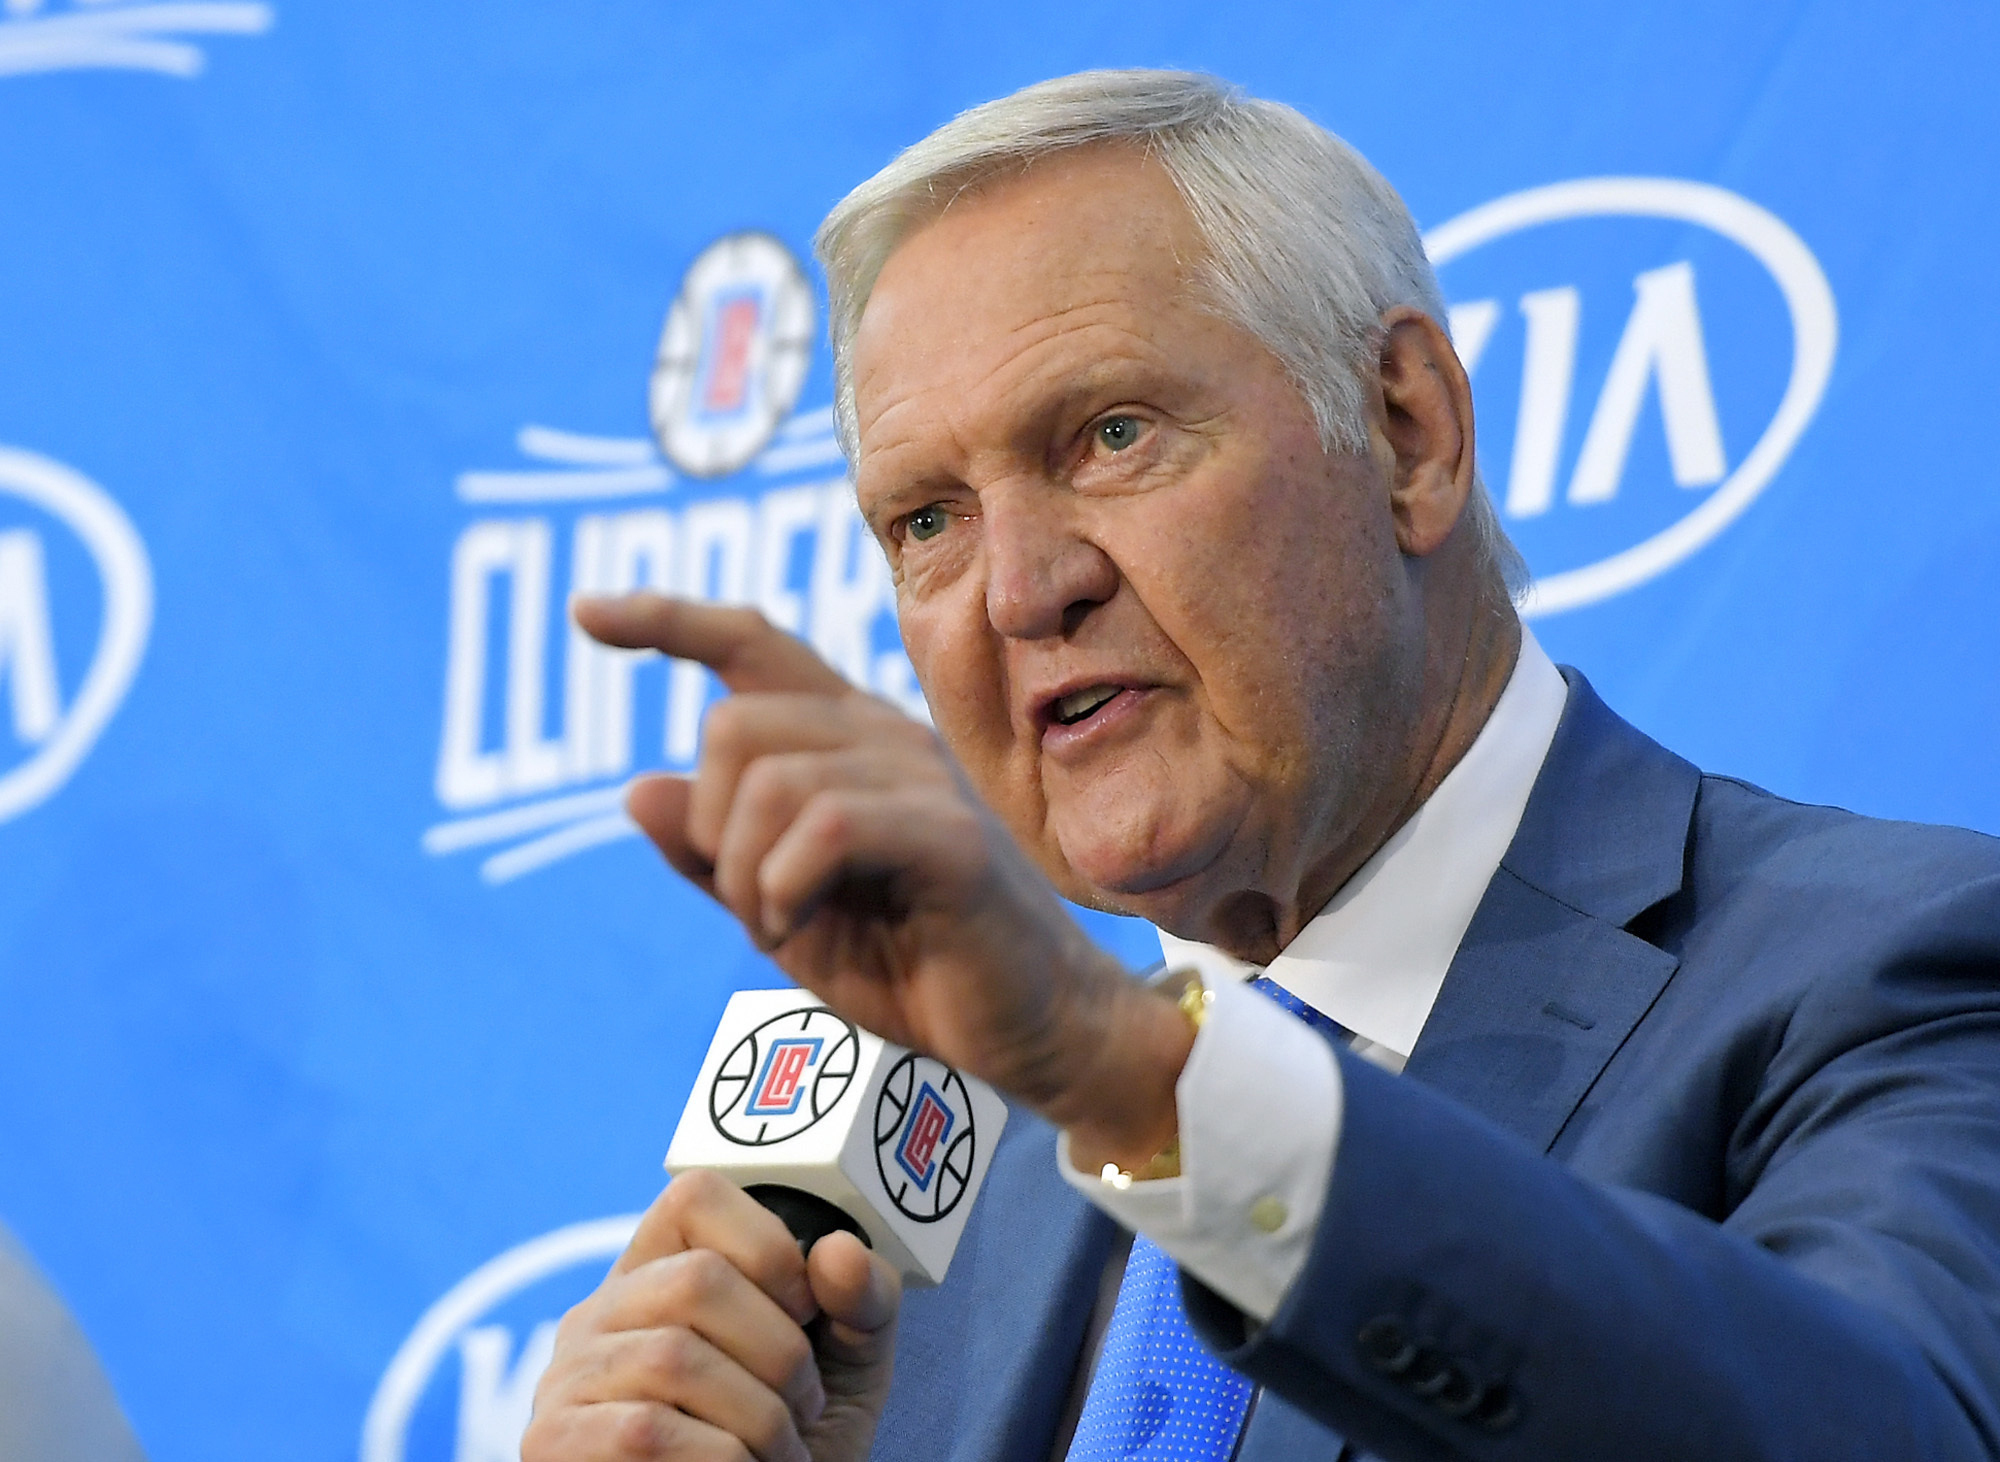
(1537, 1001)
(1548, 982)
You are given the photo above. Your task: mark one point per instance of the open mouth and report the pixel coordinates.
(1079, 706)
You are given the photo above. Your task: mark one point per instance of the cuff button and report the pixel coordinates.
(1268, 1214)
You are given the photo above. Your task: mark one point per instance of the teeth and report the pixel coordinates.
(1075, 706)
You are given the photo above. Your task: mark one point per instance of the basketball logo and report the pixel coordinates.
(733, 355)
(783, 1077)
(924, 1139)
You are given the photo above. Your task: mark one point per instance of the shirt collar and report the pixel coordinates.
(1376, 956)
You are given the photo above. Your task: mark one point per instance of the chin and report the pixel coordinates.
(1152, 881)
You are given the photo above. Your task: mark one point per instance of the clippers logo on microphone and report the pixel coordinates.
(776, 1093)
(925, 1143)
(929, 1124)
(783, 1077)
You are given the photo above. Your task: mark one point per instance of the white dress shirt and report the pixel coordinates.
(1260, 1097)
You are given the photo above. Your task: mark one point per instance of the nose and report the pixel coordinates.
(1043, 575)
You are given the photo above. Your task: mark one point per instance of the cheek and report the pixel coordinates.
(956, 661)
(1278, 593)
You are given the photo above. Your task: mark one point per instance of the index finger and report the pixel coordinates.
(740, 645)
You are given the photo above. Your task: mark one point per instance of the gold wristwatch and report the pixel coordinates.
(1194, 999)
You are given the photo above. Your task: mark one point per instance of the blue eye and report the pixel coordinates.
(1118, 432)
(927, 522)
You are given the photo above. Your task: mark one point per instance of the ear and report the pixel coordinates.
(1426, 424)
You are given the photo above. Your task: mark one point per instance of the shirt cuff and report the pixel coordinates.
(1259, 1103)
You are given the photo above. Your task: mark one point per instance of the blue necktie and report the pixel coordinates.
(1325, 1024)
(1158, 1394)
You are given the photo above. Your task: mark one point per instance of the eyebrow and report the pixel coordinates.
(1135, 374)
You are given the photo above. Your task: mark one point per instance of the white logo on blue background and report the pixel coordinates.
(493, 1335)
(70, 564)
(152, 35)
(1665, 343)
(542, 726)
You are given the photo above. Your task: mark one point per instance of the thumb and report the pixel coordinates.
(859, 1294)
(854, 1340)
(658, 802)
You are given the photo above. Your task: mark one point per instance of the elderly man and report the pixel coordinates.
(1697, 1152)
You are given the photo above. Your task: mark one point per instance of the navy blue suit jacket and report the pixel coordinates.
(1698, 1159)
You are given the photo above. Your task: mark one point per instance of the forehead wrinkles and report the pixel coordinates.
(1004, 393)
(982, 282)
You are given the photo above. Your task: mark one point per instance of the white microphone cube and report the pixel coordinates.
(792, 1095)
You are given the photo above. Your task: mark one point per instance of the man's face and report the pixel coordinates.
(1168, 636)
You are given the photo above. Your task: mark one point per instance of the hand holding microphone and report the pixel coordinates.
(713, 1336)
(796, 1119)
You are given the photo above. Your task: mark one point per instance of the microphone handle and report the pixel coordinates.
(809, 1216)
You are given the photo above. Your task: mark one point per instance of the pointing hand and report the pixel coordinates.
(844, 837)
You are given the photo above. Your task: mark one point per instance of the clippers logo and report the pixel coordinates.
(925, 1145)
(542, 727)
(733, 355)
(783, 1077)
(779, 1089)
(929, 1124)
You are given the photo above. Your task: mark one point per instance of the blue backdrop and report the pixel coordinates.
(341, 1016)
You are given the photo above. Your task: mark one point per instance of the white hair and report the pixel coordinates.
(1307, 245)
